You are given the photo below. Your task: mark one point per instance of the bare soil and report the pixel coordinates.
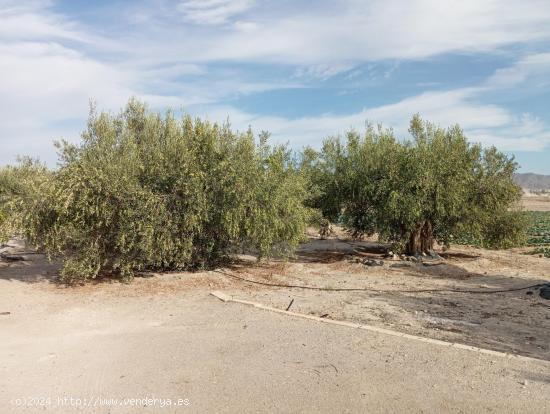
(535, 202)
(163, 335)
(517, 322)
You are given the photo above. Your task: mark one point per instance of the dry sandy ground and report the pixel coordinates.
(535, 202)
(164, 337)
(516, 322)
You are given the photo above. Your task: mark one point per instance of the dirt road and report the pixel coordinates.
(110, 344)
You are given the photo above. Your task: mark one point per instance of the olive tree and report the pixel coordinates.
(17, 182)
(435, 187)
(149, 191)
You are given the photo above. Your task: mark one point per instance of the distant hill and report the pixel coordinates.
(533, 181)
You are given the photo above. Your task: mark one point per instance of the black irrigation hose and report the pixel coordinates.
(538, 285)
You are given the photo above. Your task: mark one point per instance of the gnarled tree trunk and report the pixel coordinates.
(421, 240)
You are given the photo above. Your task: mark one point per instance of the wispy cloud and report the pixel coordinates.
(488, 124)
(211, 12)
(529, 67)
(356, 31)
(29, 20)
(322, 72)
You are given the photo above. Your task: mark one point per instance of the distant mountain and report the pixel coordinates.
(533, 181)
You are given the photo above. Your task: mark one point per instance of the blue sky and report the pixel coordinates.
(302, 70)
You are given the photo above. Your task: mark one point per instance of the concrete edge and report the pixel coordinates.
(226, 298)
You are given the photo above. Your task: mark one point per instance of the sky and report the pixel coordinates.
(302, 70)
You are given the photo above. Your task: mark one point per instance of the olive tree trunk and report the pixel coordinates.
(421, 240)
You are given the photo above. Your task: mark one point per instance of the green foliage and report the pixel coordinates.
(324, 172)
(539, 232)
(145, 191)
(543, 250)
(17, 183)
(504, 230)
(435, 187)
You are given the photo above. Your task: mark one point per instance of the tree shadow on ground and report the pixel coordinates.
(37, 269)
(443, 271)
(19, 262)
(514, 322)
(334, 250)
(459, 255)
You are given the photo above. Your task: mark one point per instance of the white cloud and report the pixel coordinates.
(333, 33)
(31, 20)
(49, 77)
(531, 66)
(212, 12)
(46, 87)
(246, 27)
(523, 132)
(358, 30)
(484, 123)
(323, 72)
